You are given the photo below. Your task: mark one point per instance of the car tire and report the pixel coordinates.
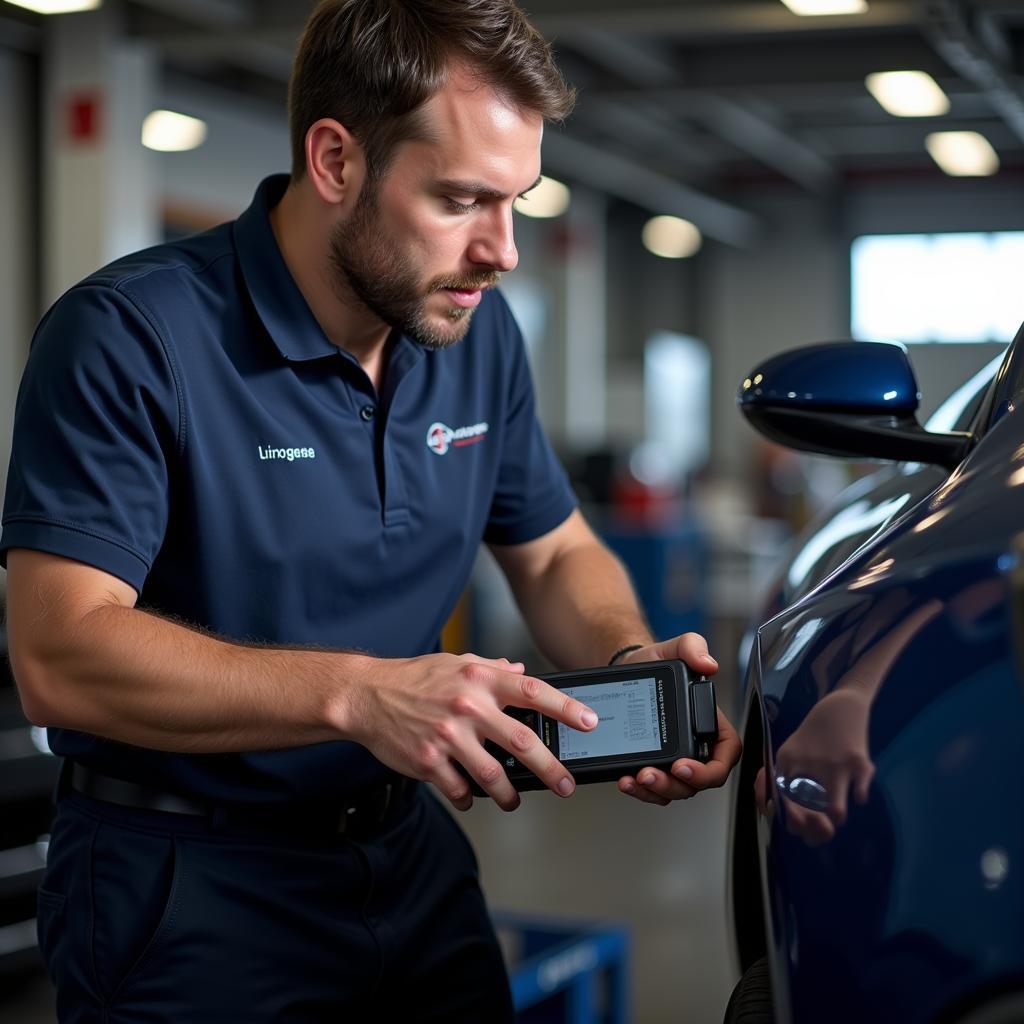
(751, 1001)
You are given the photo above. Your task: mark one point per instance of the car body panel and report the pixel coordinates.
(889, 671)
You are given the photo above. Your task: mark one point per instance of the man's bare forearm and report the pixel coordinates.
(131, 676)
(582, 609)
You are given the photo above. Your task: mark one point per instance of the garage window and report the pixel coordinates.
(962, 287)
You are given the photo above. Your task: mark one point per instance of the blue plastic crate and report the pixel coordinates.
(567, 971)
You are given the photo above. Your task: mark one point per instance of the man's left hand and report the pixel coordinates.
(686, 776)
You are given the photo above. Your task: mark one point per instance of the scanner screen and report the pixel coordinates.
(627, 712)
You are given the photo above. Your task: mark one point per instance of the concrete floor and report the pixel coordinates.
(658, 871)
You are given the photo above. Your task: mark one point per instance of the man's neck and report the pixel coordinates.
(303, 237)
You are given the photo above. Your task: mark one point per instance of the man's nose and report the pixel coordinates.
(495, 246)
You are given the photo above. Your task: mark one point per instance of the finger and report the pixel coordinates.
(653, 780)
(702, 776)
(522, 742)
(812, 827)
(724, 757)
(691, 648)
(492, 779)
(862, 777)
(500, 663)
(837, 788)
(530, 692)
(629, 786)
(454, 787)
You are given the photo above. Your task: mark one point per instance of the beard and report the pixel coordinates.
(369, 265)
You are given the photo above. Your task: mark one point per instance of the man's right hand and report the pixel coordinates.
(422, 716)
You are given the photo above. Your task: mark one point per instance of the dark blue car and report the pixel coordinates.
(878, 826)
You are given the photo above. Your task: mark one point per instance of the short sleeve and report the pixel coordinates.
(532, 494)
(97, 424)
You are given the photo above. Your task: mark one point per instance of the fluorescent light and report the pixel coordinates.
(908, 93)
(813, 8)
(671, 237)
(169, 132)
(549, 198)
(57, 6)
(963, 154)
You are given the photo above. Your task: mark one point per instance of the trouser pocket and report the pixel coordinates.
(135, 889)
(49, 921)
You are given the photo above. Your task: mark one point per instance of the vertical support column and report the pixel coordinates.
(101, 193)
(586, 359)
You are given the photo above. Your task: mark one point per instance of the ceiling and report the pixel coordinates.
(683, 103)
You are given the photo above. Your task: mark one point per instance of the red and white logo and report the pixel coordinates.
(441, 437)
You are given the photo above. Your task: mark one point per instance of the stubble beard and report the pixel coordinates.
(369, 266)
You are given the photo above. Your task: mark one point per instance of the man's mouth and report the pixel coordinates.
(466, 298)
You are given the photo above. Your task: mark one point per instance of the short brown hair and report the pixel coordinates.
(371, 64)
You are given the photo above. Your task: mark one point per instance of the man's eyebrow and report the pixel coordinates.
(475, 188)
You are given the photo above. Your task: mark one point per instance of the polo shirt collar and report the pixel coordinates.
(283, 309)
(279, 303)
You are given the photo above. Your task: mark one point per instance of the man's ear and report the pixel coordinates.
(335, 163)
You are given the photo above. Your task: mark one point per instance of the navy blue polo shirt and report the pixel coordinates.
(184, 424)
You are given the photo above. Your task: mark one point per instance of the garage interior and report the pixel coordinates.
(749, 122)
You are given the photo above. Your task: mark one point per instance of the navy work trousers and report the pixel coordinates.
(152, 917)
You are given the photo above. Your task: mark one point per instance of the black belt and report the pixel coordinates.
(362, 813)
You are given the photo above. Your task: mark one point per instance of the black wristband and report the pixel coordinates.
(624, 651)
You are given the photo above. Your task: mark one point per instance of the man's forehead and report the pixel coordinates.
(468, 104)
(470, 129)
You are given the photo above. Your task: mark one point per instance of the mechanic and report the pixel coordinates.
(251, 472)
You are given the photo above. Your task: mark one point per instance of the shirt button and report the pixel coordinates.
(366, 413)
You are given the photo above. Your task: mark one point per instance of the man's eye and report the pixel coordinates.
(457, 207)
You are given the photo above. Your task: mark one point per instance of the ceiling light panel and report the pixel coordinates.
(908, 93)
(56, 6)
(170, 132)
(816, 8)
(671, 237)
(962, 154)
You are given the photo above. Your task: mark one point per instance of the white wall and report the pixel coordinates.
(17, 251)
(787, 291)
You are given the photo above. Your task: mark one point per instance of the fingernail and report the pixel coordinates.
(566, 787)
(684, 771)
(589, 719)
(628, 787)
(647, 780)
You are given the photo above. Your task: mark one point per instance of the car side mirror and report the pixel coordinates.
(856, 399)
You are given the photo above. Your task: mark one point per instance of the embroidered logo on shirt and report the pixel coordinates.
(441, 437)
(291, 454)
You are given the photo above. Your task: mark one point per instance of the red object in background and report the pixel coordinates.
(83, 117)
(643, 505)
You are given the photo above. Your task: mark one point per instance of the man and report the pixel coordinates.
(251, 473)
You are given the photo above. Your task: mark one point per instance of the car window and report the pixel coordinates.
(958, 411)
